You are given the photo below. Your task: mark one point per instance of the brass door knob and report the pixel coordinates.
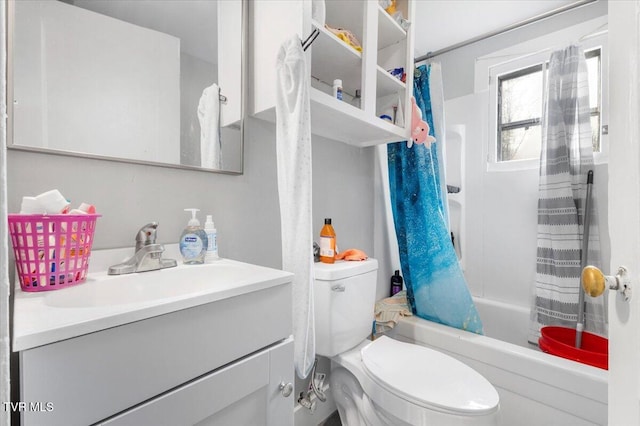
(594, 282)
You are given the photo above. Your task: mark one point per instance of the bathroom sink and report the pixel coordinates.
(106, 301)
(149, 287)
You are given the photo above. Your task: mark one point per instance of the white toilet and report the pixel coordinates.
(388, 382)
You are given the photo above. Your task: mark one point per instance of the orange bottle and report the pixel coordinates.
(327, 243)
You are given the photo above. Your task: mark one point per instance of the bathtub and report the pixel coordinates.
(535, 388)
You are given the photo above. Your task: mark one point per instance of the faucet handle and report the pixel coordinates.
(146, 235)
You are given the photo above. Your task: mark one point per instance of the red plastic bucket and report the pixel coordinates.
(560, 341)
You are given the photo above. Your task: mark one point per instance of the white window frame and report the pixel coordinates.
(526, 61)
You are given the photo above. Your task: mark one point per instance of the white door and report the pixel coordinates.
(624, 210)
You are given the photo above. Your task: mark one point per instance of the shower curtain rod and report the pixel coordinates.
(508, 28)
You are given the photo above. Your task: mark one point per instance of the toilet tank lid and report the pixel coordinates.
(343, 269)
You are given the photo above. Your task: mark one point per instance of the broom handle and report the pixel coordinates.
(583, 258)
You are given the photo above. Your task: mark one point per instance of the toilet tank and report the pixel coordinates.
(344, 299)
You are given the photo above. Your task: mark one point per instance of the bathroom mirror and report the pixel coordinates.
(147, 81)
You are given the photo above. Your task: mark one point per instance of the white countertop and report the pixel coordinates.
(104, 301)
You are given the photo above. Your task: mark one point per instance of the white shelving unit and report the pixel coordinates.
(330, 53)
(385, 46)
(388, 84)
(389, 31)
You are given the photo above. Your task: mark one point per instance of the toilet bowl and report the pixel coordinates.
(385, 381)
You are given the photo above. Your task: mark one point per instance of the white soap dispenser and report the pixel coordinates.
(211, 254)
(193, 241)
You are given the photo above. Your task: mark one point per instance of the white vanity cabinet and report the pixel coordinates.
(228, 361)
(385, 46)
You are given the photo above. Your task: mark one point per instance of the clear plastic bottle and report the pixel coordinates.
(212, 238)
(193, 241)
(327, 243)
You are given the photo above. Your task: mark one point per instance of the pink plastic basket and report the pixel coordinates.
(51, 251)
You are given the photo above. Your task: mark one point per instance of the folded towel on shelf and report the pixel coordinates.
(389, 311)
(346, 36)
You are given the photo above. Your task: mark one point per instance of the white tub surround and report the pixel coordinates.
(535, 388)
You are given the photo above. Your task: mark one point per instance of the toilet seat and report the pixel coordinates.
(428, 378)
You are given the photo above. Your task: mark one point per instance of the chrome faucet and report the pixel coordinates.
(148, 254)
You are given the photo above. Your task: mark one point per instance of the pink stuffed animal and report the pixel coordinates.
(419, 127)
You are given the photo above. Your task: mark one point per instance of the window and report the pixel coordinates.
(519, 109)
(520, 114)
(595, 96)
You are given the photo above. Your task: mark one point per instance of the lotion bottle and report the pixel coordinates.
(193, 241)
(211, 254)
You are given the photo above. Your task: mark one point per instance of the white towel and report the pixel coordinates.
(209, 117)
(388, 311)
(293, 146)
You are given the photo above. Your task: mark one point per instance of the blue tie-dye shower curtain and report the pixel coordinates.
(436, 287)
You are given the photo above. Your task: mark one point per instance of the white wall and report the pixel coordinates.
(245, 208)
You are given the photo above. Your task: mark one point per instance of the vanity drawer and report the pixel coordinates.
(92, 377)
(204, 397)
(238, 394)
